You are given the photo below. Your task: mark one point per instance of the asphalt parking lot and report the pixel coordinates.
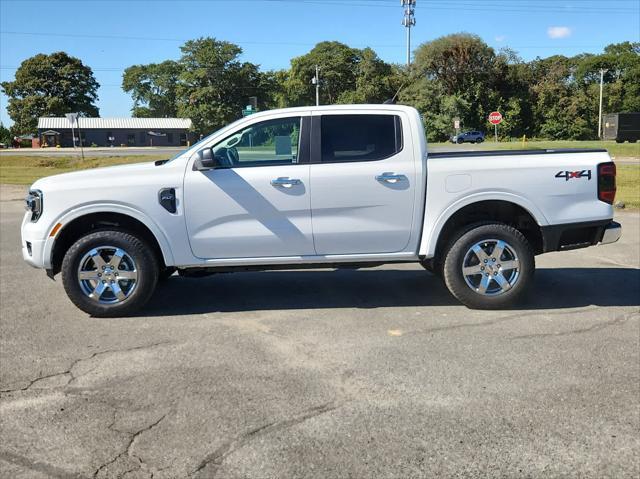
(324, 374)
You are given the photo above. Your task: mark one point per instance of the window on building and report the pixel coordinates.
(170, 138)
(360, 137)
(183, 139)
(131, 139)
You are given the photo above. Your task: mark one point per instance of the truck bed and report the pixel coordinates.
(457, 154)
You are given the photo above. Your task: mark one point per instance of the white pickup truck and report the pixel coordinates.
(336, 186)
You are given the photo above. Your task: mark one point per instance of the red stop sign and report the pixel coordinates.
(495, 117)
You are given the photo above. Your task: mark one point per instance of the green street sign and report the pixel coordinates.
(249, 110)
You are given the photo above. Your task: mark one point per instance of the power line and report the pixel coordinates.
(244, 42)
(127, 37)
(549, 6)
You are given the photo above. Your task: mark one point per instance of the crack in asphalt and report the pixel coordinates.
(127, 450)
(217, 457)
(498, 320)
(622, 318)
(69, 370)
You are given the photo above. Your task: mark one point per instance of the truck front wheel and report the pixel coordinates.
(109, 273)
(489, 266)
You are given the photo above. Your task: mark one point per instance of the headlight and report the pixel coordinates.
(34, 204)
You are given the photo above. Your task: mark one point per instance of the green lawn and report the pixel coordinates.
(628, 184)
(617, 150)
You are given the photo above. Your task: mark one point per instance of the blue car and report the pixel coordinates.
(468, 137)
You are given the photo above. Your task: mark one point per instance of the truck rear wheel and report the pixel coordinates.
(109, 273)
(489, 266)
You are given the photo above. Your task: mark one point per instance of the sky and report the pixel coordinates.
(110, 35)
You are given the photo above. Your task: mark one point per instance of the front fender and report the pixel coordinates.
(67, 217)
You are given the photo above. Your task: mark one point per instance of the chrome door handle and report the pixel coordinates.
(285, 182)
(389, 177)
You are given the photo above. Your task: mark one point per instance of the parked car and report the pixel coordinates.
(468, 137)
(330, 187)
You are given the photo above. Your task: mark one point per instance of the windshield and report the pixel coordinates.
(197, 144)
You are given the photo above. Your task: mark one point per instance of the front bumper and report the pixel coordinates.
(33, 252)
(35, 242)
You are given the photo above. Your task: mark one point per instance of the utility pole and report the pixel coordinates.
(408, 21)
(316, 81)
(602, 72)
(72, 119)
(80, 136)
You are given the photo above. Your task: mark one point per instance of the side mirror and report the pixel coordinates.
(206, 160)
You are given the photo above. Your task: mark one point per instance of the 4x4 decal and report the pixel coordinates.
(567, 175)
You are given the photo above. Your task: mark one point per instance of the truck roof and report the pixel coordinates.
(359, 107)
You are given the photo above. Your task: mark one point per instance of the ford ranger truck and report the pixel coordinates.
(329, 187)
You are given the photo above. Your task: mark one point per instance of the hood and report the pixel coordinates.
(95, 176)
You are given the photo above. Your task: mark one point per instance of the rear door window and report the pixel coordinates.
(347, 138)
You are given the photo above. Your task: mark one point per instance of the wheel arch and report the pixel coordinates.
(83, 221)
(510, 211)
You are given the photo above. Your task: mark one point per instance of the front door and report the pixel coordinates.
(257, 204)
(363, 183)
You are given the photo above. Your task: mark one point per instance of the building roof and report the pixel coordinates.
(116, 123)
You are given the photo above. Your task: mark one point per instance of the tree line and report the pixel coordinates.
(457, 76)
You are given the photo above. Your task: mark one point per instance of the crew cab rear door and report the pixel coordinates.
(363, 181)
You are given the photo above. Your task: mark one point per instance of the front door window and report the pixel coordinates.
(273, 142)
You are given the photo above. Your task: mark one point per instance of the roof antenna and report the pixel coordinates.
(392, 101)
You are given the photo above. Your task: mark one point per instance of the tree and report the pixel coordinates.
(376, 81)
(50, 85)
(337, 63)
(348, 75)
(153, 88)
(214, 86)
(5, 135)
(563, 108)
(513, 80)
(621, 62)
(463, 72)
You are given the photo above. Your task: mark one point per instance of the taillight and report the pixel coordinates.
(607, 182)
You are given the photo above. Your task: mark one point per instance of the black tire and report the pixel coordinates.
(146, 271)
(479, 140)
(460, 249)
(460, 141)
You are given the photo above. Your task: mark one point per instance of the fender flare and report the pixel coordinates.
(430, 240)
(77, 212)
